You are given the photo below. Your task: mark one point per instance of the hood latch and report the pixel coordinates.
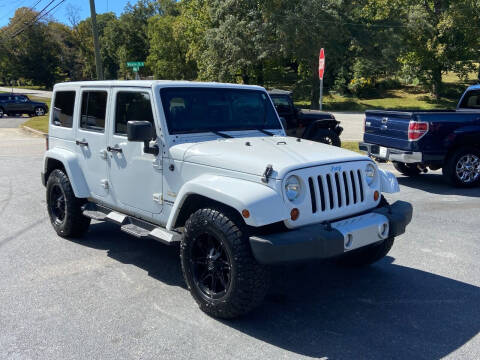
(267, 173)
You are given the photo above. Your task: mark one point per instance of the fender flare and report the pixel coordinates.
(265, 205)
(327, 123)
(72, 167)
(388, 182)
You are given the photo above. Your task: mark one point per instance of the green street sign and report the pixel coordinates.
(135, 64)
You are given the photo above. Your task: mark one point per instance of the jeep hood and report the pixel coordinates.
(253, 154)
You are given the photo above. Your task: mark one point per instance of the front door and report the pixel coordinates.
(91, 140)
(135, 177)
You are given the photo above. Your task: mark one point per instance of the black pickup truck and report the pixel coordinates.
(306, 124)
(17, 104)
(416, 141)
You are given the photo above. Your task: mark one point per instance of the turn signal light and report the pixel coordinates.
(376, 195)
(294, 214)
(245, 213)
(417, 130)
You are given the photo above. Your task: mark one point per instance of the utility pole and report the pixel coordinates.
(96, 44)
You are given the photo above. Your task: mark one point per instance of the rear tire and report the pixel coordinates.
(328, 137)
(462, 167)
(406, 169)
(218, 265)
(367, 255)
(39, 111)
(64, 208)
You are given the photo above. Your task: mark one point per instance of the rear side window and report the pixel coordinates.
(471, 100)
(94, 108)
(63, 106)
(132, 106)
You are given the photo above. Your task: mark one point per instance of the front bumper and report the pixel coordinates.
(321, 241)
(391, 154)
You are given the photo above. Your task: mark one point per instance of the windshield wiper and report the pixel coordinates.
(265, 131)
(226, 136)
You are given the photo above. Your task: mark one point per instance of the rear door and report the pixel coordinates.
(387, 128)
(91, 139)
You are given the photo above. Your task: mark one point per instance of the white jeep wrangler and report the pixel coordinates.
(208, 166)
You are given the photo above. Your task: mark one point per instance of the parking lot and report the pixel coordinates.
(111, 296)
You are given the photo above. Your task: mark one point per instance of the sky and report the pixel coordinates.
(80, 7)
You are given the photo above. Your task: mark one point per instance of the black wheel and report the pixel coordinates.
(218, 266)
(328, 137)
(39, 111)
(367, 255)
(64, 208)
(1, 113)
(406, 169)
(462, 168)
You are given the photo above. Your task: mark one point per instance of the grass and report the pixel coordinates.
(39, 123)
(351, 145)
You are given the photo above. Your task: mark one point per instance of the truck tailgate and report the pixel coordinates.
(387, 128)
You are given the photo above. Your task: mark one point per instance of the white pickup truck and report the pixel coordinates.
(208, 166)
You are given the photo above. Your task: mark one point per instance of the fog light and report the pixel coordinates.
(245, 213)
(376, 195)
(294, 214)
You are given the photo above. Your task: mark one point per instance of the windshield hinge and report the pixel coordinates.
(267, 173)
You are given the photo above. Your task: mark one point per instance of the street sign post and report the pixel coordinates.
(321, 72)
(136, 65)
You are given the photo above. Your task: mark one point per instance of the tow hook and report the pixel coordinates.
(267, 173)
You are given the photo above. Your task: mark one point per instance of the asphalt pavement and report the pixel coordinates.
(12, 121)
(112, 296)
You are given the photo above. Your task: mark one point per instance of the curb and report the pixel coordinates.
(33, 131)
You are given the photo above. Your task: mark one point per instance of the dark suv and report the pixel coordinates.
(13, 104)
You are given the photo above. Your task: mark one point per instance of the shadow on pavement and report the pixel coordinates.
(386, 311)
(435, 184)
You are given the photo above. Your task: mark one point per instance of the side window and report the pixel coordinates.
(471, 100)
(94, 108)
(63, 106)
(132, 106)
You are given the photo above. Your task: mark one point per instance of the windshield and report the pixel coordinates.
(190, 110)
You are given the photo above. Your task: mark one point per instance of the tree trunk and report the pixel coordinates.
(315, 90)
(245, 77)
(437, 83)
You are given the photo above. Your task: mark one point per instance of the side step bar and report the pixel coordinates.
(131, 225)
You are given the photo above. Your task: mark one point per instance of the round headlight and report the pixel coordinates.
(292, 188)
(370, 173)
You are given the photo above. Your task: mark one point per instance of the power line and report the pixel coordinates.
(36, 18)
(20, 19)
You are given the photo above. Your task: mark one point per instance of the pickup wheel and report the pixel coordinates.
(218, 266)
(367, 255)
(64, 208)
(327, 136)
(406, 169)
(462, 167)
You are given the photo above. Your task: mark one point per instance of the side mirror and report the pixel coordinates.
(142, 131)
(284, 123)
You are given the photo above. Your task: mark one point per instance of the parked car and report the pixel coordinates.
(313, 125)
(418, 140)
(18, 104)
(208, 166)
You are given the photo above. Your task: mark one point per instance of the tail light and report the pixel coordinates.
(417, 130)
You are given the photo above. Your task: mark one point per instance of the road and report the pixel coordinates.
(39, 93)
(111, 296)
(12, 121)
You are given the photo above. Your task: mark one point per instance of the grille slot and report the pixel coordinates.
(340, 189)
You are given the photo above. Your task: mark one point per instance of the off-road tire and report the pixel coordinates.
(249, 280)
(328, 137)
(366, 255)
(406, 169)
(74, 223)
(450, 167)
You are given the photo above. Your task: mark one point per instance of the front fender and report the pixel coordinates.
(388, 182)
(264, 204)
(72, 167)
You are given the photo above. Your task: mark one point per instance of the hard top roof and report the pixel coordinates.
(154, 83)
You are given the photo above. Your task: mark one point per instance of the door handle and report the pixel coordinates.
(82, 143)
(114, 149)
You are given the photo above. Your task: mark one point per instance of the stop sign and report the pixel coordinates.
(321, 64)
